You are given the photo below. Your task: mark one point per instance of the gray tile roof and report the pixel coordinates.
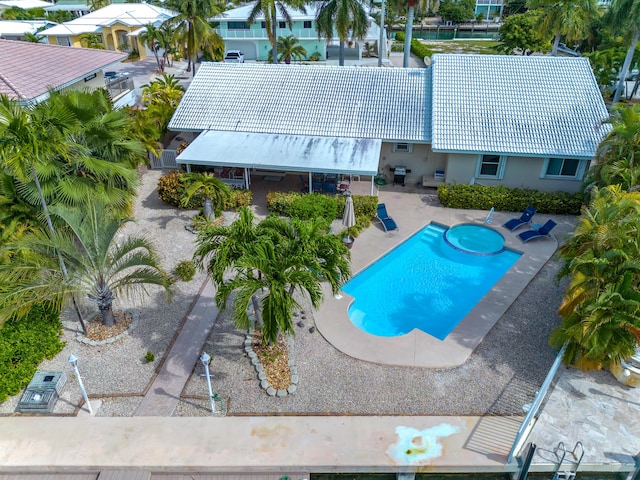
(356, 102)
(542, 106)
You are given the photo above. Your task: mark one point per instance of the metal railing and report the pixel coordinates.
(119, 85)
(261, 34)
(167, 159)
(524, 429)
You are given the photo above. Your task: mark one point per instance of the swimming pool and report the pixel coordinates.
(428, 284)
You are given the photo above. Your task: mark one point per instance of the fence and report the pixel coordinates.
(167, 159)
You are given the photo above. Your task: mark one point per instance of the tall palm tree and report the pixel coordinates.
(215, 191)
(408, 32)
(348, 18)
(626, 17)
(270, 9)
(193, 27)
(571, 19)
(601, 307)
(151, 39)
(99, 264)
(290, 48)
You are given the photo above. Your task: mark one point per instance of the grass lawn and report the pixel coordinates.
(482, 47)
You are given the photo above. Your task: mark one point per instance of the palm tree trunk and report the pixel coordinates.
(193, 63)
(382, 41)
(274, 46)
(108, 320)
(257, 311)
(625, 67)
(408, 33)
(556, 44)
(63, 267)
(208, 207)
(341, 56)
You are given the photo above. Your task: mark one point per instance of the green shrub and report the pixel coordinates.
(418, 48)
(171, 190)
(314, 205)
(185, 270)
(482, 197)
(149, 357)
(24, 344)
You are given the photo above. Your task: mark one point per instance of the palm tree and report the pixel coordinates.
(601, 307)
(626, 17)
(91, 40)
(151, 38)
(618, 155)
(408, 32)
(167, 41)
(270, 8)
(569, 18)
(289, 47)
(215, 191)
(165, 90)
(193, 27)
(99, 264)
(33, 38)
(348, 17)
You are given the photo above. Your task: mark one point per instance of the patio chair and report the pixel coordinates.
(542, 231)
(388, 223)
(523, 219)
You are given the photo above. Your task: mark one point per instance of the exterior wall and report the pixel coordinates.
(255, 31)
(421, 161)
(519, 172)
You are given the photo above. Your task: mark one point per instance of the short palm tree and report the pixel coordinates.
(348, 18)
(270, 9)
(164, 90)
(215, 191)
(571, 19)
(91, 40)
(601, 307)
(290, 48)
(100, 265)
(33, 38)
(151, 38)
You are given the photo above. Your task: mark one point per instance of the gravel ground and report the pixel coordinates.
(502, 374)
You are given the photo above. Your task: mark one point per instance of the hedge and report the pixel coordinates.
(502, 198)
(171, 188)
(418, 48)
(24, 344)
(306, 206)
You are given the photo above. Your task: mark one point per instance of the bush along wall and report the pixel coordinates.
(24, 344)
(171, 189)
(418, 48)
(482, 197)
(306, 206)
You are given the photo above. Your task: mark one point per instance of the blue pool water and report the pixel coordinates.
(428, 284)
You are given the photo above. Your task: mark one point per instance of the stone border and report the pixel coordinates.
(135, 318)
(264, 383)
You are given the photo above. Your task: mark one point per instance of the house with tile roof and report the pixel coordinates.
(117, 24)
(29, 70)
(253, 41)
(532, 122)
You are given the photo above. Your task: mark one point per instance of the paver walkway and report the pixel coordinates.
(163, 395)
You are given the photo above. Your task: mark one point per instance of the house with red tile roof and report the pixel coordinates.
(29, 70)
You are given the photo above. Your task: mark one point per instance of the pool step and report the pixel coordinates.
(406, 476)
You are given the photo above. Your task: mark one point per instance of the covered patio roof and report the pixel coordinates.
(293, 153)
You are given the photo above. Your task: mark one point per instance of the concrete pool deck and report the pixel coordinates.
(419, 349)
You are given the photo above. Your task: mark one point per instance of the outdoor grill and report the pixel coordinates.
(399, 175)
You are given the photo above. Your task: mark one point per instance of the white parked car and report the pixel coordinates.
(234, 56)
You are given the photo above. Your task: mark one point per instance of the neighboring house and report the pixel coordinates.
(77, 7)
(16, 29)
(29, 70)
(253, 40)
(118, 25)
(490, 9)
(532, 122)
(24, 4)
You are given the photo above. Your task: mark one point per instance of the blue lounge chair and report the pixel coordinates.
(543, 231)
(388, 223)
(524, 219)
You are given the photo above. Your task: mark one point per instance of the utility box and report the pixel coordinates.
(42, 393)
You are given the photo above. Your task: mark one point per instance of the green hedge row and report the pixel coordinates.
(418, 48)
(307, 206)
(26, 343)
(171, 188)
(502, 198)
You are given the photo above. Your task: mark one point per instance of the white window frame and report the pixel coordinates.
(403, 147)
(67, 43)
(580, 171)
(502, 161)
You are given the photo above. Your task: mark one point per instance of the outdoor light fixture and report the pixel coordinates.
(73, 360)
(205, 359)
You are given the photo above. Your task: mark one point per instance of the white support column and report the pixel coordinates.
(310, 182)
(372, 183)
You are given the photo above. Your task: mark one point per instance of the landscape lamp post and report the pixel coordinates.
(205, 359)
(73, 360)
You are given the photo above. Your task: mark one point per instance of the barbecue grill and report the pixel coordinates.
(399, 175)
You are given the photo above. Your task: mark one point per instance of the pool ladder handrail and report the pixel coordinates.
(573, 462)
